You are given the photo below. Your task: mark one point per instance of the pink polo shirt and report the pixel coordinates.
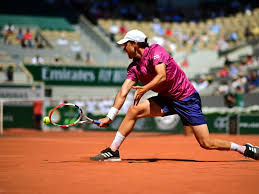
(176, 86)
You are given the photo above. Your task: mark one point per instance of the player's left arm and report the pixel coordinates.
(155, 82)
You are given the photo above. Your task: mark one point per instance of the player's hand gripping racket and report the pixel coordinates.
(68, 114)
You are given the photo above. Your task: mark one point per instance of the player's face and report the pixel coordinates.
(130, 49)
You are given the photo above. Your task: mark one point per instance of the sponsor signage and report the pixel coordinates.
(73, 75)
(168, 124)
(12, 91)
(249, 124)
(217, 123)
(18, 115)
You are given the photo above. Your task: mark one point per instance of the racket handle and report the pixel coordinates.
(96, 122)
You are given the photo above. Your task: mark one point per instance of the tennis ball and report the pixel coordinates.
(46, 120)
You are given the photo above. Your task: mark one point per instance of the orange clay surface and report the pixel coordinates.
(58, 162)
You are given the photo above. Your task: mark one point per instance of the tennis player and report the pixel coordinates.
(157, 71)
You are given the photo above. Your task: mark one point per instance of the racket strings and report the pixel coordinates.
(66, 115)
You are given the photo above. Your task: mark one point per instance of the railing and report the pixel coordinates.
(27, 73)
(95, 35)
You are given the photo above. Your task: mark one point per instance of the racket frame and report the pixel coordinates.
(78, 121)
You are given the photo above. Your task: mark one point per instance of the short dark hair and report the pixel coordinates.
(142, 44)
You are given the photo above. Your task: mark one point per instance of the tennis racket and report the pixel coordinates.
(68, 114)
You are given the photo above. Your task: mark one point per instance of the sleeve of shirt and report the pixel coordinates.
(158, 56)
(131, 74)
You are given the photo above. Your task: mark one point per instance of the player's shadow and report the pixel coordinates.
(148, 160)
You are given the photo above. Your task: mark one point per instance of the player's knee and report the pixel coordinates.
(134, 111)
(206, 144)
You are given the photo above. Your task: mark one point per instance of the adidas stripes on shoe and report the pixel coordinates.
(107, 155)
(251, 151)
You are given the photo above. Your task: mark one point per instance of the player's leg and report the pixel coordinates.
(146, 108)
(195, 118)
(191, 114)
(187, 130)
(202, 135)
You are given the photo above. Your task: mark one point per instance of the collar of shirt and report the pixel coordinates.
(145, 54)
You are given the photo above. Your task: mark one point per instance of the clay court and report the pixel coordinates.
(57, 162)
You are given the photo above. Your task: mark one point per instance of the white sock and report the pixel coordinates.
(119, 138)
(238, 148)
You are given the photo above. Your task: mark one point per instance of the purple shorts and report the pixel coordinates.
(189, 108)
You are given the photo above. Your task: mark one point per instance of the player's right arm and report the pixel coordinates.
(122, 94)
(119, 100)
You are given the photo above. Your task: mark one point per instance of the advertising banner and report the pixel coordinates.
(249, 124)
(77, 75)
(18, 115)
(217, 123)
(167, 124)
(12, 91)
